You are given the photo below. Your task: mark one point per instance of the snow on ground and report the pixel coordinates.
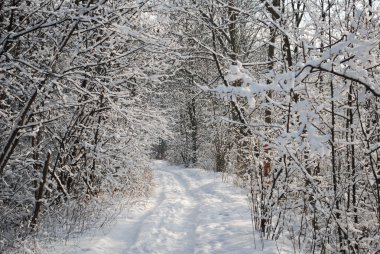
(191, 211)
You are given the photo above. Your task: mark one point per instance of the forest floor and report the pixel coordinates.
(190, 211)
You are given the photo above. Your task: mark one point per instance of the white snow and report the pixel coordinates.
(191, 211)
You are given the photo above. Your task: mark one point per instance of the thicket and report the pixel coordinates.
(290, 104)
(75, 122)
(283, 94)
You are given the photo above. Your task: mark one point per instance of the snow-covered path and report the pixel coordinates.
(191, 211)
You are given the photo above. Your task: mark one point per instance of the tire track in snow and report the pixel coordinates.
(190, 212)
(171, 227)
(135, 228)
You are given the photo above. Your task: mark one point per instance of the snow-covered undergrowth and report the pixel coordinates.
(85, 216)
(190, 211)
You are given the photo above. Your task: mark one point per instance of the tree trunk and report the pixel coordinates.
(39, 200)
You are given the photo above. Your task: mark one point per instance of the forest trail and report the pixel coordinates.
(191, 211)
